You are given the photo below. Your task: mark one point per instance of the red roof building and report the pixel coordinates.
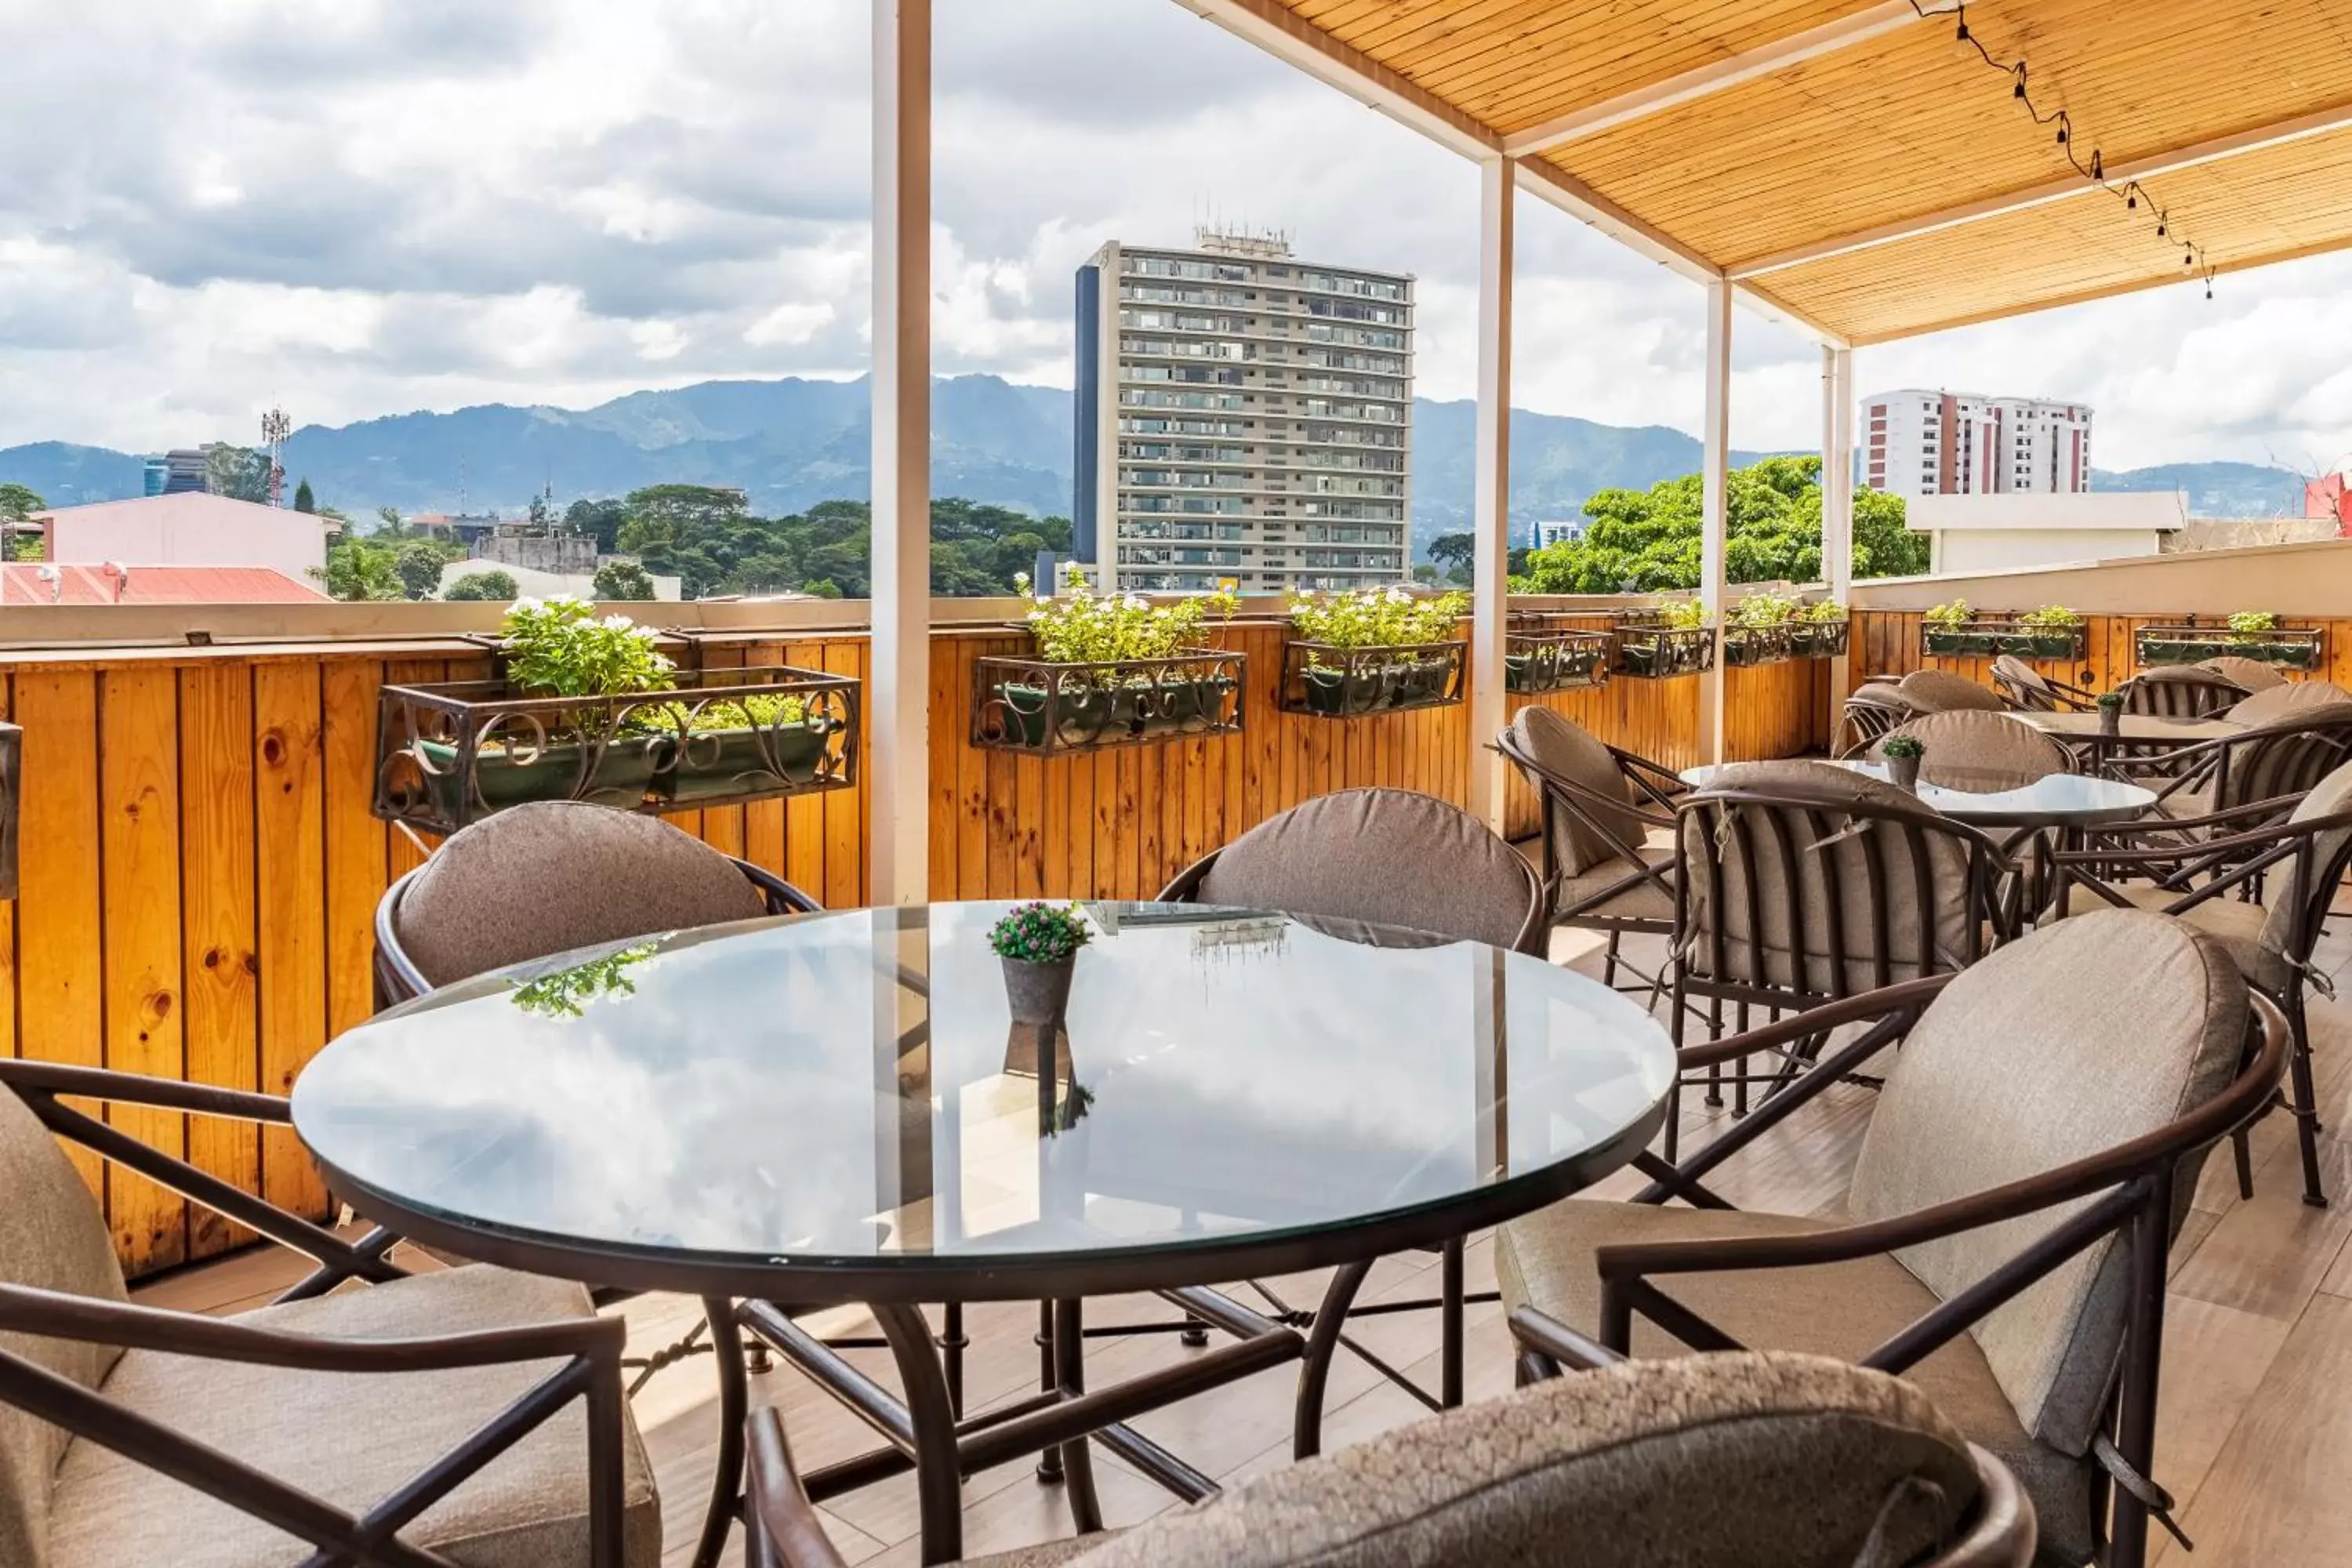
(37, 583)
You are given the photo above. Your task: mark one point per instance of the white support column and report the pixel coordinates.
(898, 690)
(1714, 464)
(1491, 511)
(1837, 492)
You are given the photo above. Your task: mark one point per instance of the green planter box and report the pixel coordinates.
(1745, 647)
(622, 776)
(2287, 647)
(1555, 661)
(1978, 640)
(1044, 706)
(1819, 639)
(1355, 683)
(1658, 653)
(1159, 709)
(717, 764)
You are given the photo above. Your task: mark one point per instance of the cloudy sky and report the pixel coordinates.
(365, 206)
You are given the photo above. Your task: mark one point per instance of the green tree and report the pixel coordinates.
(492, 585)
(303, 500)
(363, 569)
(418, 566)
(387, 519)
(1457, 552)
(598, 520)
(623, 580)
(19, 503)
(822, 588)
(239, 473)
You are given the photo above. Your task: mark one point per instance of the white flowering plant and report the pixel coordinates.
(1085, 627)
(558, 646)
(1764, 610)
(1376, 617)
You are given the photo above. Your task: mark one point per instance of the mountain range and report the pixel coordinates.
(792, 443)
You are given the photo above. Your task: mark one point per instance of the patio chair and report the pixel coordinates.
(473, 1414)
(1872, 710)
(1803, 883)
(2027, 690)
(2005, 1232)
(550, 875)
(1390, 857)
(1708, 1461)
(2272, 704)
(1608, 833)
(2251, 674)
(2220, 892)
(1940, 691)
(1969, 749)
(2181, 691)
(2225, 785)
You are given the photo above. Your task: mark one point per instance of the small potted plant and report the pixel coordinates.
(1373, 650)
(1903, 754)
(2111, 712)
(1038, 944)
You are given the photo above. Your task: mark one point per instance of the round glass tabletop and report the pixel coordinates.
(2060, 799)
(840, 1108)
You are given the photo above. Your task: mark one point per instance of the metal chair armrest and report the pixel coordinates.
(783, 1524)
(1554, 1342)
(134, 1089)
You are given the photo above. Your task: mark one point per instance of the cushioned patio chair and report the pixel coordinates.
(2003, 1244)
(2027, 690)
(1875, 709)
(1940, 691)
(2251, 674)
(2181, 691)
(2264, 896)
(474, 1413)
(1608, 831)
(1719, 1461)
(1803, 882)
(2227, 785)
(2285, 699)
(1385, 858)
(550, 875)
(1982, 752)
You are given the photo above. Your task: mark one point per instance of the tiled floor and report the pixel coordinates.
(2255, 1434)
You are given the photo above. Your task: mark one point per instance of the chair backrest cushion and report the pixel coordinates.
(2246, 674)
(2287, 699)
(1564, 747)
(2288, 755)
(1861, 884)
(1707, 1461)
(551, 876)
(1388, 856)
(1939, 691)
(2331, 796)
(2026, 683)
(2085, 1034)
(2181, 691)
(1968, 749)
(53, 1236)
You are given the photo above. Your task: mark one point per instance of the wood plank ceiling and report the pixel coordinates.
(1906, 126)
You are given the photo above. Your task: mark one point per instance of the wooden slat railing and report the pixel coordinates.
(1887, 642)
(200, 867)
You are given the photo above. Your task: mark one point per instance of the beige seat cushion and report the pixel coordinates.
(1640, 900)
(1940, 691)
(1981, 752)
(51, 1236)
(2286, 699)
(1389, 857)
(1722, 1461)
(2247, 674)
(2238, 927)
(354, 1440)
(2181, 691)
(552, 876)
(1561, 746)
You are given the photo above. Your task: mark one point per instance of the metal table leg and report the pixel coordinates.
(727, 1485)
(1315, 1372)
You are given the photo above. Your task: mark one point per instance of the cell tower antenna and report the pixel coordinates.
(275, 428)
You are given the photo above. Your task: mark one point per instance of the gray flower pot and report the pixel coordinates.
(1904, 773)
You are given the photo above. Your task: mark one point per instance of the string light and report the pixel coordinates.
(2192, 253)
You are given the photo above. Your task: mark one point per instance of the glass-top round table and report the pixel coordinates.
(2060, 799)
(839, 1109)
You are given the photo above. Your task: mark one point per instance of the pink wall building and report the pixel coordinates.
(191, 529)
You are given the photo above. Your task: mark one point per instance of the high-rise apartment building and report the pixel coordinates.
(1918, 443)
(1243, 418)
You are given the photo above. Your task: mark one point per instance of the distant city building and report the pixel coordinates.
(24, 583)
(176, 472)
(464, 528)
(1993, 533)
(2329, 497)
(1553, 530)
(1919, 443)
(184, 529)
(1242, 417)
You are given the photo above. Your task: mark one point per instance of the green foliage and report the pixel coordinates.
(1764, 610)
(567, 993)
(598, 520)
(1084, 628)
(1949, 617)
(360, 569)
(752, 712)
(822, 588)
(623, 580)
(1457, 552)
(1649, 541)
(2051, 618)
(557, 646)
(1376, 617)
(491, 587)
(303, 500)
(238, 472)
(26, 547)
(19, 503)
(1682, 614)
(2112, 701)
(1902, 746)
(2249, 626)
(418, 566)
(1040, 933)
(1822, 611)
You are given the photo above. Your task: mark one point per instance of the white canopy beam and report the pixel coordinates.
(1490, 614)
(1837, 492)
(1730, 71)
(2118, 175)
(1715, 489)
(898, 682)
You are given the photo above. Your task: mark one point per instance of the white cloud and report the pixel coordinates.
(365, 206)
